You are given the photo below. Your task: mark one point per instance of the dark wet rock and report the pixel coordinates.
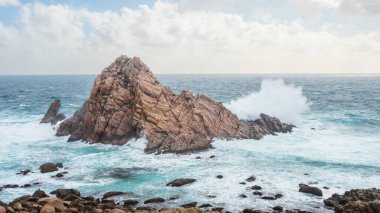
(127, 101)
(130, 202)
(217, 209)
(60, 174)
(257, 193)
(10, 186)
(278, 208)
(310, 190)
(356, 200)
(181, 182)
(252, 211)
(277, 196)
(26, 185)
(243, 183)
(251, 179)
(145, 208)
(112, 193)
(39, 194)
(63, 193)
(206, 205)
(175, 197)
(189, 205)
(212, 156)
(59, 165)
(154, 200)
(325, 187)
(219, 176)
(24, 172)
(211, 196)
(52, 115)
(256, 187)
(306, 174)
(268, 198)
(48, 167)
(243, 196)
(198, 157)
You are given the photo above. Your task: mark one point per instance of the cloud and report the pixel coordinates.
(362, 7)
(61, 39)
(9, 3)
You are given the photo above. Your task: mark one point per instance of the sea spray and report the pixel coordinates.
(275, 98)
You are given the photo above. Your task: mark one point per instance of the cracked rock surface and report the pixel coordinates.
(127, 101)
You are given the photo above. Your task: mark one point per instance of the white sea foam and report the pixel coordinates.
(275, 98)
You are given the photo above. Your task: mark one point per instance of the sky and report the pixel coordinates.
(191, 36)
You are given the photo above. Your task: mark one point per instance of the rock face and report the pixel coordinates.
(356, 200)
(52, 115)
(127, 101)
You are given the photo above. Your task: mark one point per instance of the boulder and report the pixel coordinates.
(154, 200)
(112, 193)
(52, 115)
(64, 193)
(310, 190)
(181, 182)
(2, 209)
(189, 205)
(48, 167)
(130, 202)
(39, 194)
(47, 208)
(127, 101)
(251, 179)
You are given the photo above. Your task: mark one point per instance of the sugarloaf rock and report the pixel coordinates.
(127, 101)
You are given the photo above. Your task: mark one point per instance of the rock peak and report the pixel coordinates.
(127, 101)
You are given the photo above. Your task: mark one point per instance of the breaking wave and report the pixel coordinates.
(275, 98)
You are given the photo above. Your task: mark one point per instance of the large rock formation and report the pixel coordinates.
(127, 101)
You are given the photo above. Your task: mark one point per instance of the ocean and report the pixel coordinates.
(336, 143)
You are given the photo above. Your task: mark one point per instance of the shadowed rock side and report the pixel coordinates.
(127, 101)
(52, 115)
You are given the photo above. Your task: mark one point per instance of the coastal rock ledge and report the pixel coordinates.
(127, 101)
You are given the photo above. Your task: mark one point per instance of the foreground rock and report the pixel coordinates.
(33, 203)
(310, 190)
(127, 101)
(52, 115)
(356, 200)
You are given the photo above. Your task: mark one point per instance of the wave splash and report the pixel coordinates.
(275, 98)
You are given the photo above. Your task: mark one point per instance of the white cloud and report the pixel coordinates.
(62, 39)
(9, 3)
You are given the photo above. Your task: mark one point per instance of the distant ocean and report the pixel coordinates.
(336, 142)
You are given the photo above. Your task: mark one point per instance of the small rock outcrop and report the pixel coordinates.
(48, 167)
(356, 200)
(127, 101)
(181, 182)
(310, 190)
(52, 115)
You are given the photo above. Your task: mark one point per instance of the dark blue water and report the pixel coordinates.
(341, 153)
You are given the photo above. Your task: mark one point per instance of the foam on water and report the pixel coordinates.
(275, 98)
(341, 153)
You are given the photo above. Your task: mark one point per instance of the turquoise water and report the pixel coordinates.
(343, 152)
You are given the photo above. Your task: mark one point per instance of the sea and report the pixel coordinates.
(335, 145)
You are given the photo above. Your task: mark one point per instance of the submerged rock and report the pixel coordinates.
(356, 200)
(181, 182)
(52, 115)
(127, 101)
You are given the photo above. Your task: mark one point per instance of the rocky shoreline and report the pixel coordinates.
(71, 200)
